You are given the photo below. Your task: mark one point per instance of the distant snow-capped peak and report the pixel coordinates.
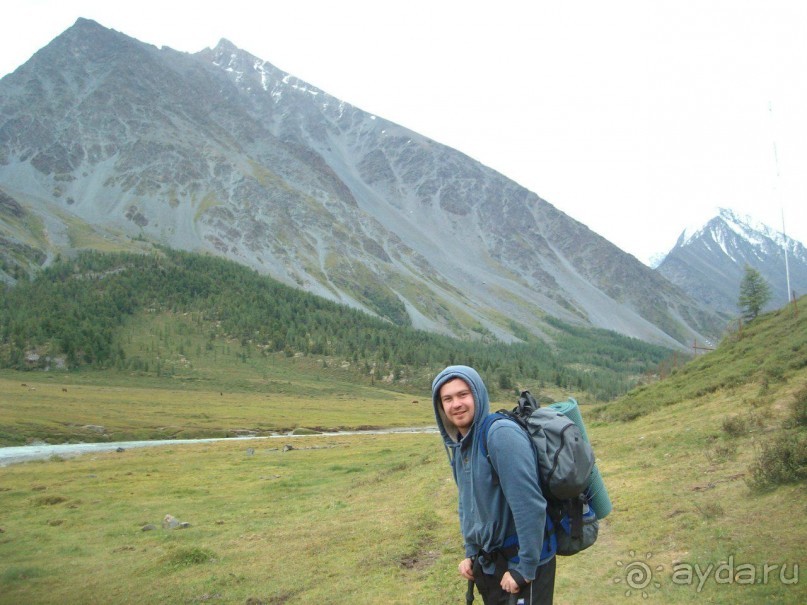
(727, 221)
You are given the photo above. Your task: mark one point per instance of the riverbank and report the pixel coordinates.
(45, 451)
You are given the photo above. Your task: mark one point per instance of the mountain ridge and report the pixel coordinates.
(222, 152)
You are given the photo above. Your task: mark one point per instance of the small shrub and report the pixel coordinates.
(735, 426)
(780, 461)
(773, 373)
(706, 390)
(186, 557)
(710, 510)
(721, 453)
(797, 363)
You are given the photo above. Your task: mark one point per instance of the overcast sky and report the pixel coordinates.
(638, 118)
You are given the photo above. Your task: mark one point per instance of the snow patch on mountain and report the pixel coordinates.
(708, 261)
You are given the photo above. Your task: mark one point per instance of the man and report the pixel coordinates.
(501, 508)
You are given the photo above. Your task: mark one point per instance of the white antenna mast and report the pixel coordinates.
(787, 267)
(784, 233)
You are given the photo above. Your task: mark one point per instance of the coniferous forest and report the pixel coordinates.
(76, 308)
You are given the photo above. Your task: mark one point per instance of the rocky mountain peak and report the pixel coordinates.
(728, 222)
(221, 152)
(709, 261)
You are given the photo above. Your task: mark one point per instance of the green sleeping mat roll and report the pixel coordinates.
(598, 495)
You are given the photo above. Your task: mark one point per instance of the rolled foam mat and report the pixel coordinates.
(598, 494)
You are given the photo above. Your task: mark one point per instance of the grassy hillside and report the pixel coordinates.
(708, 492)
(158, 314)
(766, 353)
(184, 377)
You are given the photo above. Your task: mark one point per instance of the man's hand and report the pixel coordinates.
(508, 584)
(467, 569)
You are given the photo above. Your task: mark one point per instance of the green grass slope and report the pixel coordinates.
(766, 353)
(707, 472)
(708, 492)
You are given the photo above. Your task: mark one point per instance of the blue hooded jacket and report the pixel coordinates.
(500, 499)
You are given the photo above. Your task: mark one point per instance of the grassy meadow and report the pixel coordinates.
(54, 409)
(195, 387)
(372, 518)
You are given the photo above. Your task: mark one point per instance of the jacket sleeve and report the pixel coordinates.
(513, 459)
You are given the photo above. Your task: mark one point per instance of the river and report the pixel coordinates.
(43, 451)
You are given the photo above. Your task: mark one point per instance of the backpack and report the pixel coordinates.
(565, 467)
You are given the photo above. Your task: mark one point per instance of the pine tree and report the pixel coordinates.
(754, 293)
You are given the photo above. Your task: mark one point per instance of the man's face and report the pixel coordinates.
(458, 403)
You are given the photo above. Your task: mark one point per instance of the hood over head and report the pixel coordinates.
(481, 401)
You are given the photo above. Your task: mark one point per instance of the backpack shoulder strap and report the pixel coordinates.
(516, 417)
(482, 433)
(484, 428)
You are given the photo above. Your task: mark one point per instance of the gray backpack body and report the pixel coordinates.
(565, 457)
(565, 462)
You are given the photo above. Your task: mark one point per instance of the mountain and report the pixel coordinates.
(709, 262)
(110, 143)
